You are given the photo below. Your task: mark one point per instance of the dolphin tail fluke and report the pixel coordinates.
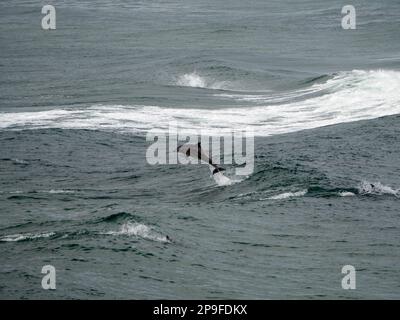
(217, 169)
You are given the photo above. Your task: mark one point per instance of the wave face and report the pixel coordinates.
(90, 197)
(343, 97)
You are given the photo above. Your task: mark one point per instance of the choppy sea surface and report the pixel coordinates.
(76, 191)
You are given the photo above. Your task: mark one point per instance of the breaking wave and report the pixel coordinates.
(345, 97)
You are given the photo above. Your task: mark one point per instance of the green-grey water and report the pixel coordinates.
(76, 191)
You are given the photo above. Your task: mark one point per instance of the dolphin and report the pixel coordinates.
(195, 151)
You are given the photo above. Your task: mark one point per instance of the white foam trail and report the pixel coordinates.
(139, 230)
(377, 188)
(348, 96)
(26, 236)
(288, 195)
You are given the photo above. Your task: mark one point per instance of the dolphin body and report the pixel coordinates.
(195, 151)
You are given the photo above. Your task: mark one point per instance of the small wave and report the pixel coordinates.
(117, 217)
(377, 188)
(26, 236)
(139, 230)
(245, 195)
(316, 79)
(52, 191)
(15, 161)
(288, 195)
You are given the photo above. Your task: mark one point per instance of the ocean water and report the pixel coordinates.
(76, 191)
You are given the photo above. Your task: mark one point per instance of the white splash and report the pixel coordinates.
(139, 230)
(195, 80)
(221, 180)
(191, 80)
(377, 188)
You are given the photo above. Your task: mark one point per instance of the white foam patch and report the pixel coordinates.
(26, 236)
(57, 191)
(346, 194)
(139, 230)
(348, 96)
(377, 188)
(19, 161)
(287, 195)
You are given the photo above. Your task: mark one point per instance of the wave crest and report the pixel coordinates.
(26, 236)
(196, 81)
(139, 230)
